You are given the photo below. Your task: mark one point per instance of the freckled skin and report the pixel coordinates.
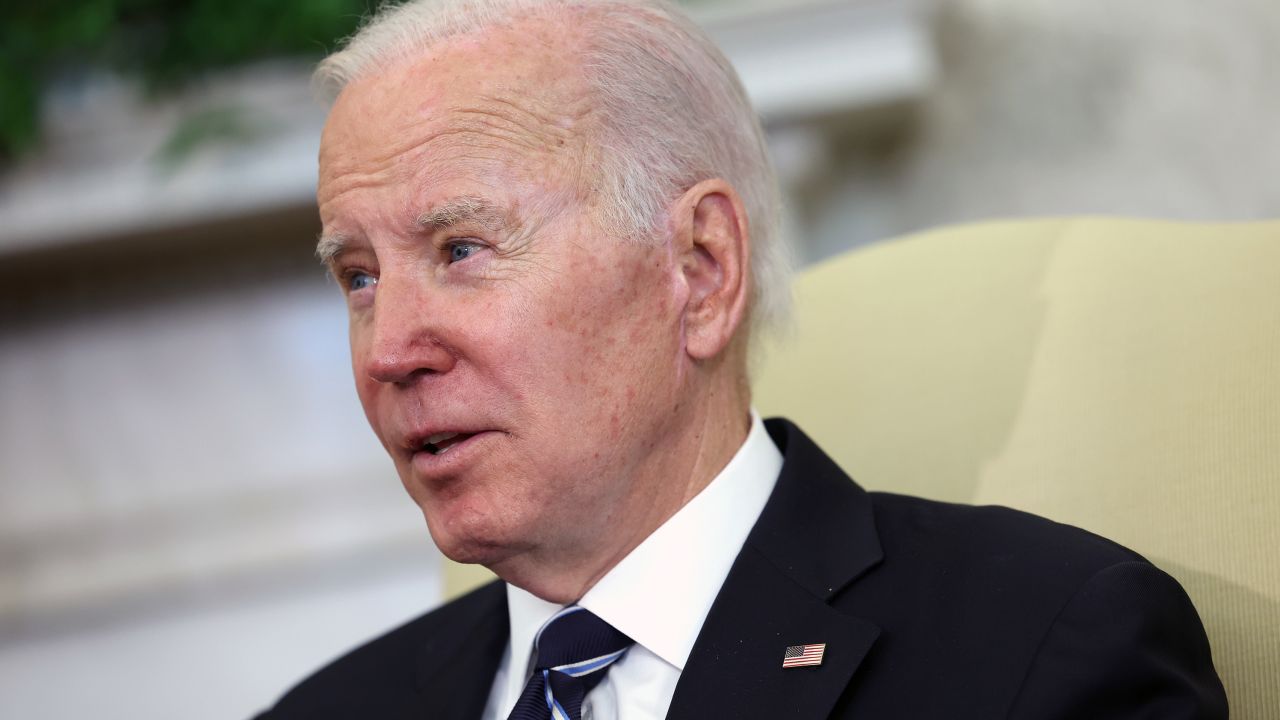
(564, 342)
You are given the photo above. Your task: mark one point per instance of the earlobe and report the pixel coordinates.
(713, 239)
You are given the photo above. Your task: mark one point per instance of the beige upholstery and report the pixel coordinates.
(1121, 376)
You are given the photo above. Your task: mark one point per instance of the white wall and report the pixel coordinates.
(1160, 108)
(227, 659)
(193, 513)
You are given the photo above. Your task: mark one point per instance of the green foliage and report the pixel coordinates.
(164, 42)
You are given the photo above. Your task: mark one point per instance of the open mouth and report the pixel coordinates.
(440, 443)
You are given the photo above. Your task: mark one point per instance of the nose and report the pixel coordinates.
(404, 339)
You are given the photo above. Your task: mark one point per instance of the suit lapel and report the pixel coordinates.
(815, 536)
(456, 668)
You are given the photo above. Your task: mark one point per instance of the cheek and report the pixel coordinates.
(366, 386)
(615, 340)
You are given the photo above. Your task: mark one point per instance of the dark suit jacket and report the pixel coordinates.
(928, 610)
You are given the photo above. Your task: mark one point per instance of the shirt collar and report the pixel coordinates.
(660, 593)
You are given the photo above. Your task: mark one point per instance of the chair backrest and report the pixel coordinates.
(1121, 376)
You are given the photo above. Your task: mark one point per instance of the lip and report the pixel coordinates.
(412, 442)
(459, 455)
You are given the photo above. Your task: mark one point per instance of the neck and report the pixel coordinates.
(698, 443)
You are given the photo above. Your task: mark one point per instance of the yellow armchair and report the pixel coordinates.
(1121, 376)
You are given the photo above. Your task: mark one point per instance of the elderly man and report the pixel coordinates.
(553, 221)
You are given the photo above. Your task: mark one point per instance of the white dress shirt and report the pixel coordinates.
(659, 594)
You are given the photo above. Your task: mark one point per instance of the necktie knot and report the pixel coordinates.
(576, 642)
(574, 651)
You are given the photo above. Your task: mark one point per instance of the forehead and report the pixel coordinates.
(513, 92)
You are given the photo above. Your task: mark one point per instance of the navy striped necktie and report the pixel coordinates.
(575, 650)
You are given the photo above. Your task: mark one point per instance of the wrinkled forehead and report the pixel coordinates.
(511, 90)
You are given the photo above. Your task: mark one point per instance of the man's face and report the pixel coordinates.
(518, 365)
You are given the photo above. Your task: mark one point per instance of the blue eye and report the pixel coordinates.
(460, 251)
(360, 281)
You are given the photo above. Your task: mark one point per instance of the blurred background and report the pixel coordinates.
(193, 513)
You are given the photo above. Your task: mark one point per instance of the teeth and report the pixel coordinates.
(432, 444)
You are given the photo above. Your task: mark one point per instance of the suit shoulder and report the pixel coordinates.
(994, 541)
(383, 670)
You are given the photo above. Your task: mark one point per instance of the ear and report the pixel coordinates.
(712, 242)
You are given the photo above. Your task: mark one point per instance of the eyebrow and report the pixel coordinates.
(460, 210)
(457, 211)
(329, 247)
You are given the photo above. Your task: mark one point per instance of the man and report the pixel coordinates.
(553, 224)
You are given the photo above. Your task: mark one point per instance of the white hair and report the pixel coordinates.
(674, 113)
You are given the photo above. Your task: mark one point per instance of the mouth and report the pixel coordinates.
(441, 443)
(444, 454)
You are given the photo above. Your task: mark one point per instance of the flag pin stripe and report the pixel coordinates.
(803, 655)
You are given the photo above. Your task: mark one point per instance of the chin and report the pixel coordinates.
(473, 553)
(471, 541)
(505, 553)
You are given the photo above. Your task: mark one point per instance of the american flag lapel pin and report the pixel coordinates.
(803, 655)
